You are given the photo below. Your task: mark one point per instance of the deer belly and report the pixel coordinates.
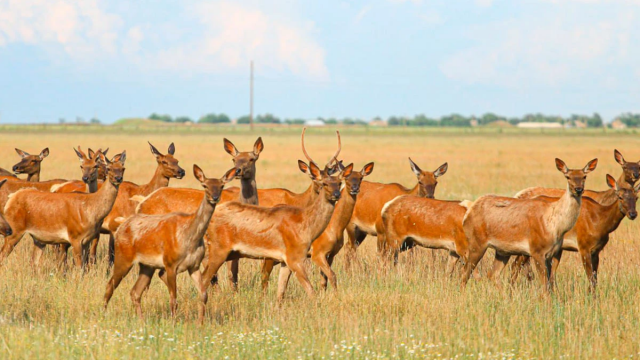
(52, 237)
(519, 247)
(437, 243)
(570, 244)
(152, 260)
(257, 252)
(369, 229)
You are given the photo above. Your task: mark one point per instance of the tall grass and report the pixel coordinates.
(413, 310)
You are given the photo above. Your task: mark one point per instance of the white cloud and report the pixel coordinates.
(209, 37)
(547, 51)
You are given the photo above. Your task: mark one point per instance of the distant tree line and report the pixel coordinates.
(453, 120)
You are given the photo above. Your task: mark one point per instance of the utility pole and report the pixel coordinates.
(251, 98)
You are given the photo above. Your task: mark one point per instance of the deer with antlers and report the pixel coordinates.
(532, 227)
(72, 218)
(171, 242)
(366, 215)
(591, 232)
(167, 168)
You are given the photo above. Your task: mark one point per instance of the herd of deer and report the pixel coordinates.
(171, 229)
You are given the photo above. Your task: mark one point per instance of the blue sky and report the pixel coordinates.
(114, 59)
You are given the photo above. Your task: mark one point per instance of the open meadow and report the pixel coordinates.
(411, 311)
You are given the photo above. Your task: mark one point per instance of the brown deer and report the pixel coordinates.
(373, 196)
(630, 175)
(5, 228)
(532, 227)
(329, 243)
(73, 218)
(30, 164)
(411, 221)
(591, 232)
(91, 166)
(172, 243)
(282, 233)
(167, 168)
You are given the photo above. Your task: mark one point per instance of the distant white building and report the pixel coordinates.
(314, 122)
(540, 125)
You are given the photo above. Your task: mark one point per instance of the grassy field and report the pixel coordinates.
(411, 311)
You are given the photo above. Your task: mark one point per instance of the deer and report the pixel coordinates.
(328, 244)
(591, 232)
(282, 233)
(91, 167)
(67, 218)
(630, 175)
(29, 164)
(411, 221)
(532, 227)
(5, 228)
(167, 168)
(171, 242)
(366, 215)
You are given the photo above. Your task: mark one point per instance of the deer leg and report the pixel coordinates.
(142, 284)
(197, 281)
(120, 270)
(595, 263)
(355, 237)
(499, 263)
(215, 262)
(267, 268)
(283, 280)
(543, 267)
(9, 244)
(233, 273)
(112, 247)
(517, 266)
(475, 255)
(321, 260)
(555, 261)
(76, 247)
(62, 252)
(301, 274)
(454, 258)
(93, 251)
(36, 254)
(173, 290)
(588, 267)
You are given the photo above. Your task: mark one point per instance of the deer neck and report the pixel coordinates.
(103, 200)
(35, 177)
(613, 215)
(316, 217)
(93, 185)
(248, 191)
(564, 213)
(418, 191)
(198, 224)
(157, 181)
(343, 211)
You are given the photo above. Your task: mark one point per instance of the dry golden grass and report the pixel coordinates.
(410, 311)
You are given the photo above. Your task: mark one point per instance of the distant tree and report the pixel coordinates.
(183, 119)
(594, 121)
(267, 119)
(94, 120)
(80, 120)
(243, 119)
(214, 118)
(331, 121)
(62, 120)
(165, 118)
(294, 121)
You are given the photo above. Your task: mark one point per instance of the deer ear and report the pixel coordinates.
(441, 170)
(230, 148)
(104, 152)
(230, 175)
(314, 171)
(154, 151)
(79, 154)
(258, 146)
(303, 166)
(22, 153)
(611, 182)
(44, 153)
(367, 169)
(415, 168)
(347, 171)
(590, 166)
(91, 153)
(172, 149)
(198, 173)
(561, 166)
(123, 157)
(618, 156)
(635, 188)
(102, 158)
(2, 182)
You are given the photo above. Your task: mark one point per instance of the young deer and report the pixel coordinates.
(414, 221)
(172, 243)
(167, 168)
(366, 215)
(329, 243)
(282, 233)
(73, 218)
(630, 175)
(591, 232)
(532, 227)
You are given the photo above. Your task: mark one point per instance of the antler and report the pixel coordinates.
(82, 152)
(303, 149)
(335, 157)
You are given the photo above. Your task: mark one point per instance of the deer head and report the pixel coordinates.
(428, 180)
(353, 181)
(168, 164)
(5, 228)
(115, 167)
(30, 164)
(213, 187)
(329, 185)
(576, 178)
(245, 161)
(89, 166)
(627, 197)
(102, 167)
(631, 170)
